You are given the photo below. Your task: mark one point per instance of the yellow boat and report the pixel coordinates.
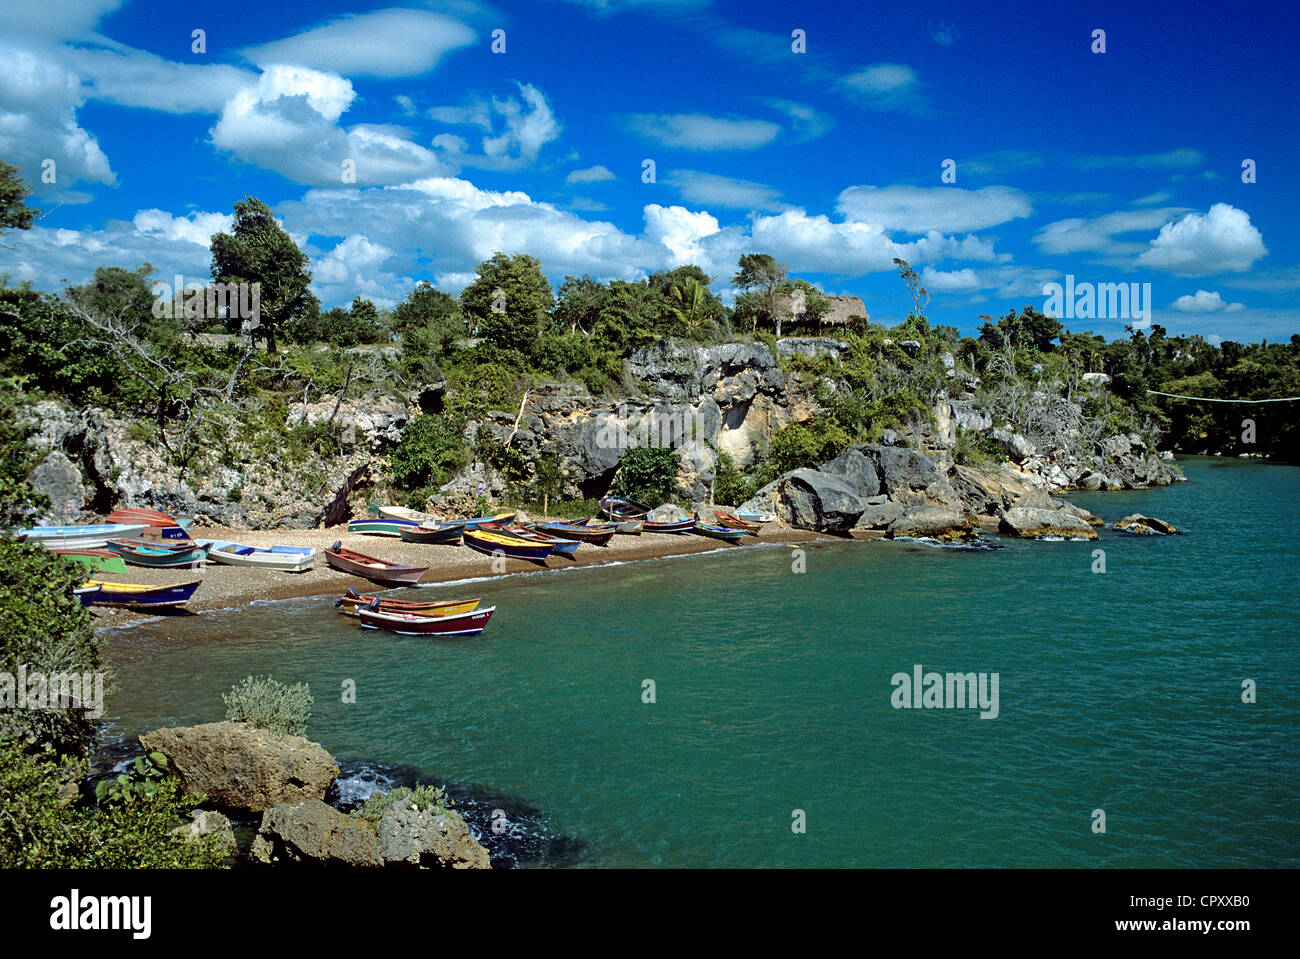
(350, 601)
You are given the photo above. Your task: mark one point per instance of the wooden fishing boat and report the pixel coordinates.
(617, 507)
(445, 534)
(79, 537)
(95, 560)
(378, 570)
(380, 527)
(559, 546)
(732, 521)
(724, 533)
(512, 547)
(139, 552)
(675, 526)
(504, 519)
(751, 516)
(147, 517)
(596, 535)
(141, 596)
(288, 559)
(413, 515)
(87, 594)
(624, 527)
(351, 600)
(410, 624)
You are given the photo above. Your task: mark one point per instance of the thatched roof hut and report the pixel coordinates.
(842, 308)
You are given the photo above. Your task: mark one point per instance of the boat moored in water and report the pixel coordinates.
(411, 624)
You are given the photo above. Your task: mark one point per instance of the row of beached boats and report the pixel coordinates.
(113, 546)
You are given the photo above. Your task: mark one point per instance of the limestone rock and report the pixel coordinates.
(1031, 522)
(932, 522)
(1146, 525)
(240, 767)
(819, 501)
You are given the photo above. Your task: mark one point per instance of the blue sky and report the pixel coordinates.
(1115, 167)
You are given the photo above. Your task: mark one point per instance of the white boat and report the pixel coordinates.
(749, 516)
(289, 559)
(80, 537)
(401, 512)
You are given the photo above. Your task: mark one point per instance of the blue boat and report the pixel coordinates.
(140, 596)
(79, 537)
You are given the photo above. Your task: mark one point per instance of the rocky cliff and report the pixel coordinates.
(698, 400)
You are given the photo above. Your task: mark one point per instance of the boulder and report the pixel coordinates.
(413, 837)
(1030, 522)
(879, 515)
(667, 513)
(901, 470)
(208, 822)
(932, 522)
(310, 832)
(1079, 511)
(1146, 525)
(59, 478)
(238, 766)
(811, 499)
(856, 470)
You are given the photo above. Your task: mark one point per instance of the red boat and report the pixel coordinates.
(735, 522)
(368, 567)
(133, 516)
(412, 624)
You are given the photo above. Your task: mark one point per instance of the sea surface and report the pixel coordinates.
(772, 738)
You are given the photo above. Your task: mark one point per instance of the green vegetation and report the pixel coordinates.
(44, 628)
(44, 826)
(425, 798)
(730, 486)
(648, 474)
(267, 704)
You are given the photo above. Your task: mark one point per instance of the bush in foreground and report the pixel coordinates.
(262, 702)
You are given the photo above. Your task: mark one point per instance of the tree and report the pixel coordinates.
(508, 303)
(14, 214)
(687, 304)
(578, 304)
(258, 250)
(648, 474)
(761, 272)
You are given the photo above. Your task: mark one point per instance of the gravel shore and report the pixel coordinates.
(228, 586)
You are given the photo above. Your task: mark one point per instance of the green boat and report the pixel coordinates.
(381, 527)
(97, 561)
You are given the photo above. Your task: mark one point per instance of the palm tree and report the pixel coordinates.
(690, 304)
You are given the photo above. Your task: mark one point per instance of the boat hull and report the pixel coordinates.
(80, 537)
(731, 521)
(596, 535)
(724, 533)
(141, 596)
(677, 526)
(282, 560)
(375, 570)
(496, 543)
(559, 545)
(139, 553)
(463, 624)
(381, 527)
(616, 507)
(443, 536)
(348, 605)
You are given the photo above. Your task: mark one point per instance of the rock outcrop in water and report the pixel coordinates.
(241, 767)
(1030, 522)
(310, 832)
(1146, 525)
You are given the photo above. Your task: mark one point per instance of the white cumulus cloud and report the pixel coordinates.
(1222, 240)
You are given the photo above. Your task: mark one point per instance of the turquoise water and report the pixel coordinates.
(1118, 691)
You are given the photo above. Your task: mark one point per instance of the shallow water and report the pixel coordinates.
(1118, 691)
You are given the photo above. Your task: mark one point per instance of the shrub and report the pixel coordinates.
(730, 486)
(431, 449)
(39, 829)
(798, 446)
(647, 474)
(426, 798)
(262, 702)
(44, 627)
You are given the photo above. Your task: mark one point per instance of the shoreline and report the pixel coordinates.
(227, 587)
